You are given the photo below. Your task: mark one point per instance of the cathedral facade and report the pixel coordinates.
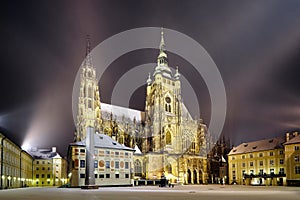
(167, 140)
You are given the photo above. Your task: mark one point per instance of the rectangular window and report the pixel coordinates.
(251, 172)
(251, 155)
(43, 175)
(244, 165)
(261, 154)
(261, 163)
(82, 175)
(107, 153)
(48, 175)
(272, 171)
(107, 176)
(96, 175)
(116, 153)
(297, 159)
(126, 153)
(126, 175)
(107, 164)
(43, 168)
(117, 164)
(281, 152)
(37, 162)
(82, 163)
(117, 175)
(271, 162)
(101, 175)
(233, 165)
(297, 169)
(37, 176)
(243, 172)
(297, 148)
(243, 156)
(82, 150)
(281, 161)
(251, 164)
(126, 165)
(261, 171)
(233, 158)
(271, 153)
(96, 163)
(281, 171)
(37, 169)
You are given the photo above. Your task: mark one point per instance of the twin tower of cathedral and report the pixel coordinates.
(169, 139)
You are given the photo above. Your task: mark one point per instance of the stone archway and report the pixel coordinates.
(200, 176)
(195, 177)
(189, 176)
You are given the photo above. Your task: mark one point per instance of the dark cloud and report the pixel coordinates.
(255, 44)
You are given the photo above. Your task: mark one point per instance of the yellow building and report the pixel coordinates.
(49, 168)
(258, 163)
(15, 164)
(292, 158)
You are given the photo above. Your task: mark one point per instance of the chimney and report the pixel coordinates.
(295, 134)
(53, 149)
(287, 137)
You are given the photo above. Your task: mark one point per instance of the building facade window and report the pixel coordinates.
(233, 165)
(243, 156)
(126, 165)
(243, 164)
(126, 175)
(281, 171)
(251, 164)
(107, 164)
(271, 162)
(297, 158)
(117, 175)
(297, 148)
(117, 164)
(272, 171)
(281, 161)
(281, 152)
(261, 163)
(297, 169)
(101, 175)
(251, 155)
(82, 163)
(82, 175)
(96, 164)
(271, 153)
(107, 175)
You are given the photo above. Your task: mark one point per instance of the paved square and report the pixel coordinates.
(204, 192)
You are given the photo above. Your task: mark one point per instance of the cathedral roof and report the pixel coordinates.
(260, 145)
(103, 141)
(137, 150)
(121, 112)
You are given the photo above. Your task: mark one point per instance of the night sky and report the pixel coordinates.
(255, 44)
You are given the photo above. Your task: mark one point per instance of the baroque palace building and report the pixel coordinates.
(273, 161)
(167, 140)
(15, 164)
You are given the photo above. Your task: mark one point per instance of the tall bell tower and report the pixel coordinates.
(89, 110)
(163, 106)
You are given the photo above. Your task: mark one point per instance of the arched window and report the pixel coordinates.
(169, 108)
(138, 168)
(168, 138)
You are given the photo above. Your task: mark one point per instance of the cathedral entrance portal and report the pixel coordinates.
(189, 177)
(195, 177)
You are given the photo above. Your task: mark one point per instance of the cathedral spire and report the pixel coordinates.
(162, 41)
(88, 56)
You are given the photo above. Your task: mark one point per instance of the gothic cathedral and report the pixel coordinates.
(167, 140)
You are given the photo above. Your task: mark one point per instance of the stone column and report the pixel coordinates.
(89, 165)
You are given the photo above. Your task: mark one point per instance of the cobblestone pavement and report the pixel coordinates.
(203, 192)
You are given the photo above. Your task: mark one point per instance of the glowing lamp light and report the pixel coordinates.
(3, 177)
